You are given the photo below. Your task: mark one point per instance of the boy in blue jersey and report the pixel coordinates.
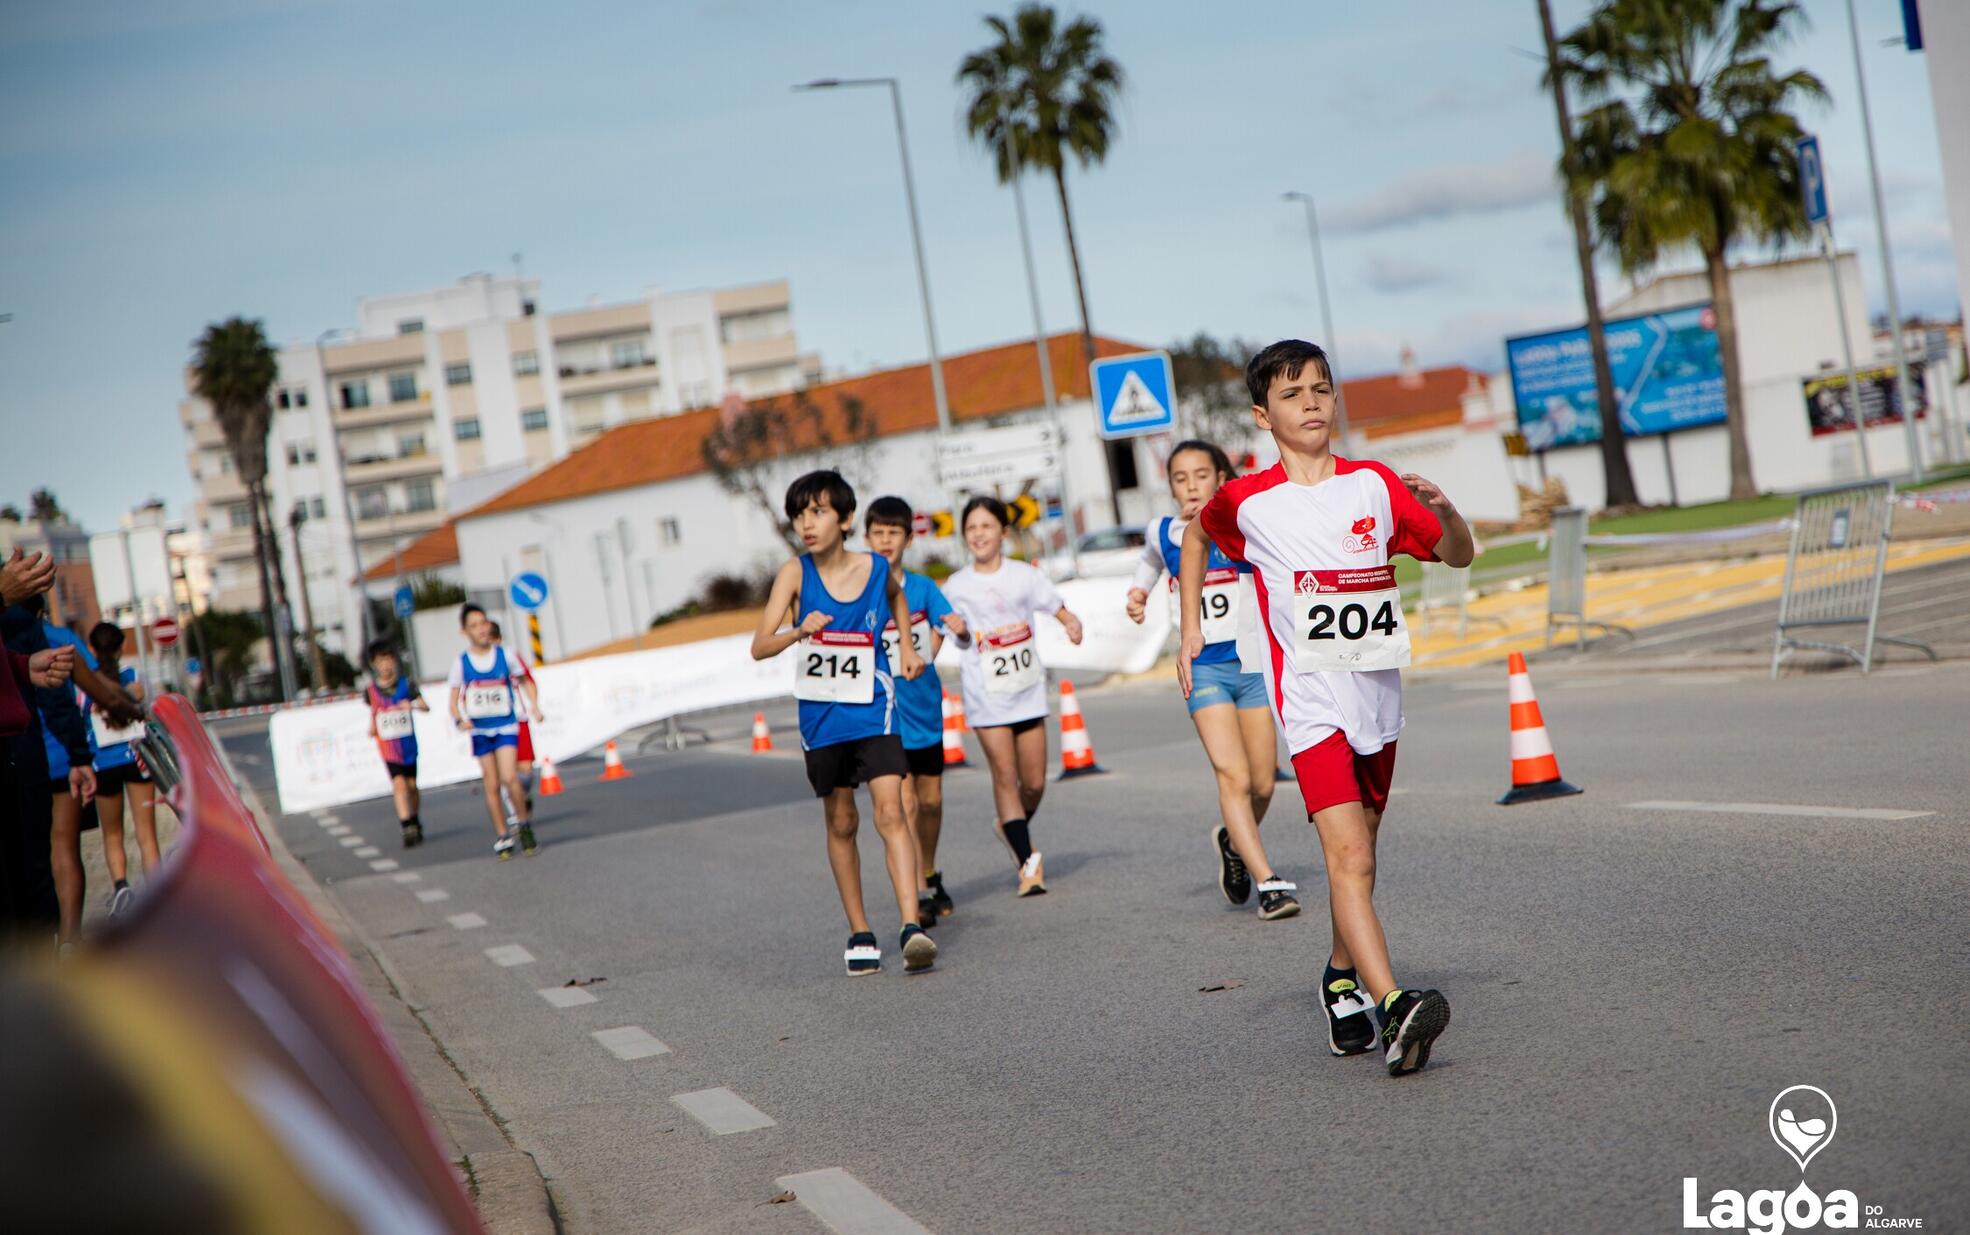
(392, 698)
(848, 722)
(920, 702)
(482, 684)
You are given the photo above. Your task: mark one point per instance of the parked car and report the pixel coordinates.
(1110, 551)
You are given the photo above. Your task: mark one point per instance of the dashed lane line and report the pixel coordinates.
(407, 877)
(846, 1205)
(466, 921)
(630, 1042)
(383, 864)
(1773, 808)
(369, 851)
(350, 842)
(507, 955)
(565, 996)
(431, 896)
(723, 1111)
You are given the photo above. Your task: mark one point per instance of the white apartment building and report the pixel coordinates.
(438, 400)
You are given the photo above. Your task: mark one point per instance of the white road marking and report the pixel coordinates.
(431, 896)
(466, 921)
(407, 877)
(723, 1111)
(369, 851)
(336, 829)
(846, 1206)
(350, 842)
(507, 955)
(1769, 808)
(383, 864)
(565, 996)
(630, 1042)
(328, 817)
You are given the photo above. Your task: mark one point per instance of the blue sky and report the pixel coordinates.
(168, 164)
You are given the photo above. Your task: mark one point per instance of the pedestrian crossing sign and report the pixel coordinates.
(1136, 394)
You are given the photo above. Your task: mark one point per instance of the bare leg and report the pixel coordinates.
(508, 765)
(1032, 747)
(402, 791)
(489, 775)
(65, 856)
(143, 810)
(109, 817)
(927, 820)
(1347, 840)
(844, 858)
(899, 844)
(1261, 756)
(1225, 745)
(996, 741)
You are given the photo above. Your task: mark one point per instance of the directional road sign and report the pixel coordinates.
(528, 590)
(402, 602)
(943, 523)
(1135, 394)
(997, 456)
(164, 631)
(1025, 510)
(1812, 179)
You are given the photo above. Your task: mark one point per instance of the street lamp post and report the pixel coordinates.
(1046, 376)
(1326, 314)
(916, 230)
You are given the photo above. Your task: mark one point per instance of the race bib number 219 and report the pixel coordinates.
(1348, 621)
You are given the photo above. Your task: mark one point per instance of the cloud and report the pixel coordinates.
(1453, 190)
(1392, 273)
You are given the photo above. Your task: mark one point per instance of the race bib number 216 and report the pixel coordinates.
(1348, 621)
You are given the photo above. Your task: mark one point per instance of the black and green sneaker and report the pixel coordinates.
(413, 835)
(527, 843)
(1411, 1021)
(1234, 880)
(936, 881)
(1350, 1018)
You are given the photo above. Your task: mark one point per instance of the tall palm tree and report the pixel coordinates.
(1042, 94)
(1690, 145)
(233, 369)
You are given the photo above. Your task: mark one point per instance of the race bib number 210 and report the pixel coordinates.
(1348, 621)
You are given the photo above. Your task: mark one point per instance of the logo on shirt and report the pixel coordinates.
(1363, 538)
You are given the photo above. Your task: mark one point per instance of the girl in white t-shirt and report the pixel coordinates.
(1004, 683)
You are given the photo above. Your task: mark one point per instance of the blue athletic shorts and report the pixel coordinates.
(1222, 682)
(487, 743)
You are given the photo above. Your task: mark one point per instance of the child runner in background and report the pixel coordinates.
(118, 774)
(848, 724)
(524, 749)
(1320, 531)
(1004, 683)
(919, 701)
(483, 684)
(72, 776)
(392, 699)
(1228, 705)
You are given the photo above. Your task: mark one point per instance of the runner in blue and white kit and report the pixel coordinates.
(1227, 704)
(848, 720)
(483, 681)
(119, 773)
(888, 526)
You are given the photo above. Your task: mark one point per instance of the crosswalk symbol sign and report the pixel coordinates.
(1136, 394)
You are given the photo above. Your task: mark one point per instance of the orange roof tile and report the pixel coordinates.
(1392, 403)
(437, 547)
(991, 382)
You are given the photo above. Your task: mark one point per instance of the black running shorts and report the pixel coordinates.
(848, 764)
(926, 760)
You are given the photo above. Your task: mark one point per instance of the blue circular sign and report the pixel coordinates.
(403, 602)
(528, 590)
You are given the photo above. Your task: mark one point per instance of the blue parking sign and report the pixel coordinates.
(403, 603)
(1812, 179)
(1136, 394)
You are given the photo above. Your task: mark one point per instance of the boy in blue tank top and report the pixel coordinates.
(839, 601)
(392, 698)
(920, 702)
(482, 685)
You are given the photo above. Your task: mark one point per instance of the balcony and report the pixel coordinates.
(372, 525)
(368, 469)
(768, 353)
(220, 486)
(384, 413)
(600, 378)
(231, 542)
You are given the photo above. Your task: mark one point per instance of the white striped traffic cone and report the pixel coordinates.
(953, 734)
(1076, 748)
(1535, 769)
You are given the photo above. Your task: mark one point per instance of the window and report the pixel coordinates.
(355, 394)
(411, 325)
(534, 419)
(299, 453)
(317, 509)
(372, 502)
(458, 375)
(410, 445)
(466, 429)
(626, 354)
(291, 397)
(759, 324)
(668, 532)
(525, 363)
(420, 495)
(403, 388)
(239, 516)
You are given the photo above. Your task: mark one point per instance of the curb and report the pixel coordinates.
(505, 1181)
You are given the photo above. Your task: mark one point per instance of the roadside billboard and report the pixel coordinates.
(1828, 410)
(1667, 369)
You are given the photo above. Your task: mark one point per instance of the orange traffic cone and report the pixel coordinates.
(1076, 749)
(1535, 769)
(612, 768)
(953, 733)
(550, 779)
(762, 739)
(957, 710)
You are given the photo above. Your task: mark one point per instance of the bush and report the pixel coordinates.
(428, 591)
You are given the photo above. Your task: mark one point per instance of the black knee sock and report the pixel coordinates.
(1015, 831)
(1333, 975)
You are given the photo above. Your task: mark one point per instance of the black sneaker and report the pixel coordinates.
(527, 843)
(1350, 1019)
(936, 881)
(919, 949)
(1276, 899)
(503, 847)
(1411, 1021)
(413, 835)
(1233, 879)
(863, 956)
(926, 909)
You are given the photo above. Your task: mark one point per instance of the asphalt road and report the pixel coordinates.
(1631, 987)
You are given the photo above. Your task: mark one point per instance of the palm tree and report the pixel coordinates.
(1040, 94)
(233, 368)
(1690, 144)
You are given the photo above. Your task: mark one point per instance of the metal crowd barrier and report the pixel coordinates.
(218, 1037)
(1833, 571)
(1566, 577)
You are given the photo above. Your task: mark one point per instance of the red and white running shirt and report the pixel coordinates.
(1338, 533)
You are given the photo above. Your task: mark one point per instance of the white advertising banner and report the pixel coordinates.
(324, 756)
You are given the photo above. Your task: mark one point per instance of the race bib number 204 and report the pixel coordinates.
(1348, 621)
